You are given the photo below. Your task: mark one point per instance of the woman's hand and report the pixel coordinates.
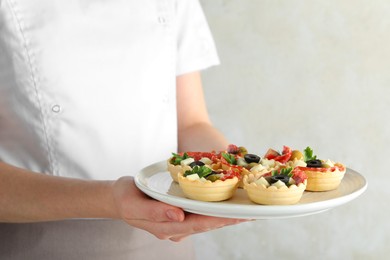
(162, 220)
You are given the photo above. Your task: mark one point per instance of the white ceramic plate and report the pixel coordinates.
(156, 182)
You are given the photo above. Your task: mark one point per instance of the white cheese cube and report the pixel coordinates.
(262, 181)
(187, 161)
(279, 184)
(241, 162)
(193, 177)
(206, 161)
(327, 164)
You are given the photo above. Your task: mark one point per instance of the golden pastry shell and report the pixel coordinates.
(260, 194)
(324, 180)
(207, 190)
(174, 170)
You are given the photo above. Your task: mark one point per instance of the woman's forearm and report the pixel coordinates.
(195, 130)
(201, 137)
(29, 197)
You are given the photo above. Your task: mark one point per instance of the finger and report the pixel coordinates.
(221, 222)
(177, 231)
(202, 222)
(154, 228)
(178, 238)
(160, 212)
(156, 211)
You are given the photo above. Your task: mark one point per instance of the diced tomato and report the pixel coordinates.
(267, 174)
(340, 166)
(271, 154)
(282, 158)
(223, 161)
(230, 174)
(299, 175)
(199, 155)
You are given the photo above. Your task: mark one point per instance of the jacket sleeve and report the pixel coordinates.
(196, 48)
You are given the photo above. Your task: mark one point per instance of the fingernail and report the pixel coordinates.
(249, 220)
(171, 214)
(245, 220)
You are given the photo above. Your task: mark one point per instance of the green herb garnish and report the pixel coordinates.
(230, 158)
(201, 171)
(284, 171)
(308, 154)
(177, 158)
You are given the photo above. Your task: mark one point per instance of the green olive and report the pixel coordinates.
(213, 177)
(296, 155)
(243, 150)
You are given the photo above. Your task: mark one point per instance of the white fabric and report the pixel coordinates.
(87, 87)
(86, 240)
(87, 90)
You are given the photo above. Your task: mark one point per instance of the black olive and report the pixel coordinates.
(280, 177)
(251, 158)
(196, 163)
(314, 163)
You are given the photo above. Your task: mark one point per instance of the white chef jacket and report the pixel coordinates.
(87, 87)
(87, 90)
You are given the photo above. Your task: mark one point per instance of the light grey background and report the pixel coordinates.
(305, 73)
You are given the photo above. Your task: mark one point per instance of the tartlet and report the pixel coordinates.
(262, 192)
(208, 190)
(324, 179)
(238, 159)
(205, 184)
(180, 163)
(323, 175)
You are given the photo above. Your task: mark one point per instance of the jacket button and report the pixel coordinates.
(162, 20)
(56, 108)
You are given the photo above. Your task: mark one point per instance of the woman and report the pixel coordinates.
(91, 91)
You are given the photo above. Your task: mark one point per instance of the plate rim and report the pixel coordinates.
(254, 211)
